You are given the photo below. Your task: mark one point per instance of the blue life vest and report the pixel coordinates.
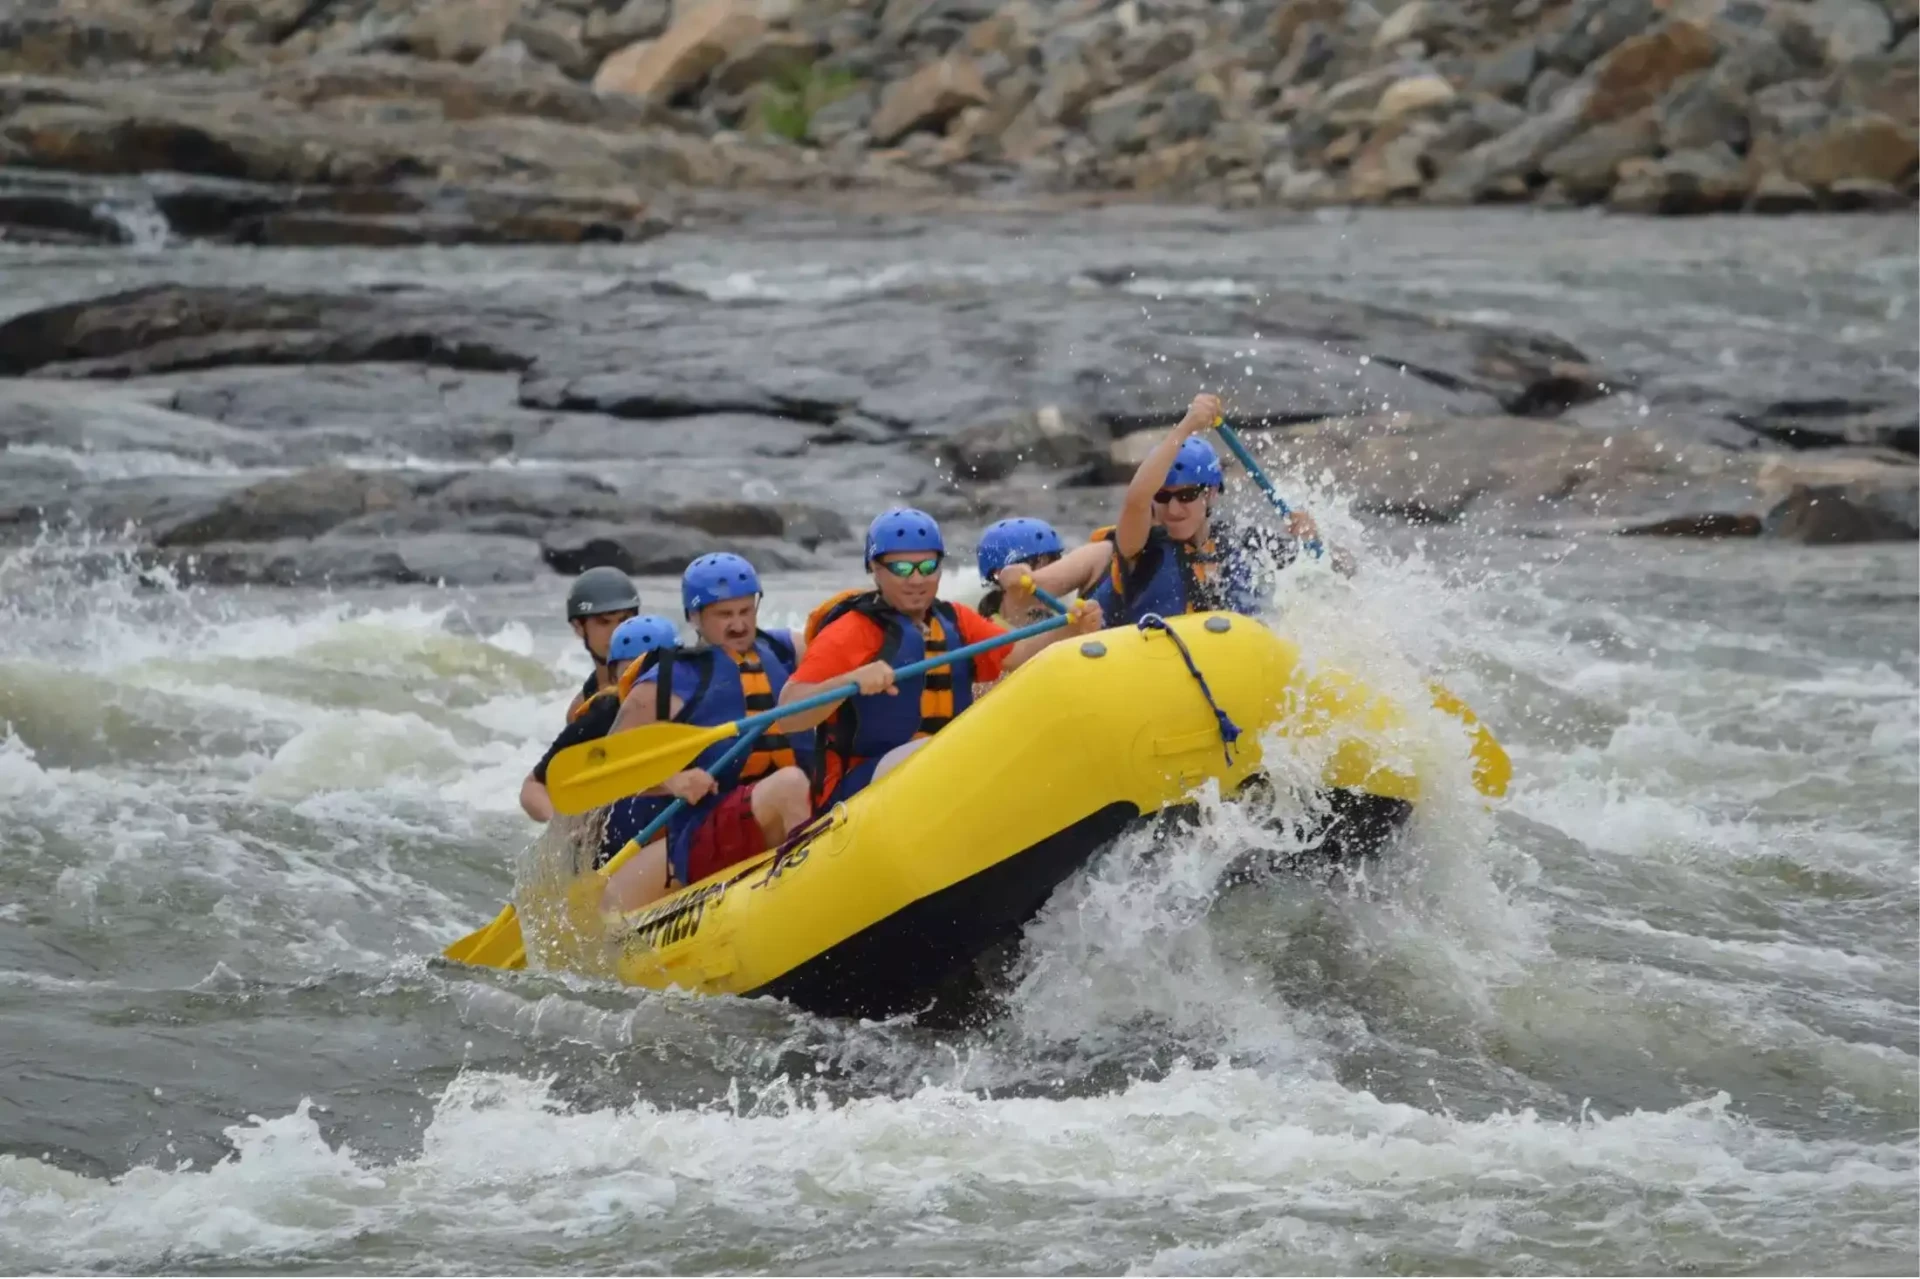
(865, 727)
(1166, 579)
(708, 682)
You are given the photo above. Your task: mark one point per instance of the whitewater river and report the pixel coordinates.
(1655, 1011)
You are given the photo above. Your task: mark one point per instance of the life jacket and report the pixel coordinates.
(726, 689)
(626, 817)
(1169, 578)
(588, 691)
(850, 743)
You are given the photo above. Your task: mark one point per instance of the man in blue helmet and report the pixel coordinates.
(738, 670)
(1169, 555)
(634, 646)
(861, 637)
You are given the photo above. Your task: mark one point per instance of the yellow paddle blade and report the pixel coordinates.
(498, 945)
(1492, 770)
(594, 774)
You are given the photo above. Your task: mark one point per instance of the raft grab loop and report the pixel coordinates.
(1229, 731)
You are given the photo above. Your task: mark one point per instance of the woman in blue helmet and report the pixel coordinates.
(1012, 549)
(862, 636)
(738, 670)
(1169, 555)
(634, 646)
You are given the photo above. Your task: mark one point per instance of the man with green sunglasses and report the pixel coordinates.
(860, 638)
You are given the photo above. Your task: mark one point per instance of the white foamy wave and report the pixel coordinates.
(1220, 1155)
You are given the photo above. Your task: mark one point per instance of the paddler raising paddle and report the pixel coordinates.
(861, 639)
(1168, 554)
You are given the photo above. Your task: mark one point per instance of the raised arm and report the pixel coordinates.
(1136, 509)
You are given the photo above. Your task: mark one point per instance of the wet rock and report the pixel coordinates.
(608, 30)
(460, 30)
(1546, 90)
(1586, 167)
(1849, 29)
(807, 395)
(1148, 58)
(1507, 73)
(1595, 26)
(305, 504)
(1414, 94)
(928, 99)
(1777, 194)
(1635, 75)
(1712, 525)
(1854, 195)
(842, 118)
(643, 547)
(1513, 156)
(1189, 114)
(773, 55)
(1393, 164)
(451, 559)
(1887, 85)
(1442, 471)
(543, 495)
(554, 38)
(801, 523)
(1842, 497)
(1535, 374)
(1827, 423)
(1117, 122)
(93, 419)
(1709, 180)
(1048, 437)
(168, 327)
(694, 46)
(1851, 146)
(1702, 110)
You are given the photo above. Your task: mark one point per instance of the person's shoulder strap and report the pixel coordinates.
(781, 642)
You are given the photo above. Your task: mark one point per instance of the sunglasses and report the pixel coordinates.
(1190, 494)
(1039, 561)
(907, 568)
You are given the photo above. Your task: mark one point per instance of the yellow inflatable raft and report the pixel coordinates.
(878, 902)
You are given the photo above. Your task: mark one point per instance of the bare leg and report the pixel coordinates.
(643, 879)
(780, 803)
(892, 759)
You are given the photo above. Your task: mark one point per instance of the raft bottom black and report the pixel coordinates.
(901, 963)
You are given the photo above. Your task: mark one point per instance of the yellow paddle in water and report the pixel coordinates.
(594, 774)
(1492, 770)
(502, 944)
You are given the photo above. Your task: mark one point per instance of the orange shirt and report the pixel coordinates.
(851, 641)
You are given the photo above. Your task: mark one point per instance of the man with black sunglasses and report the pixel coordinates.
(863, 637)
(1168, 556)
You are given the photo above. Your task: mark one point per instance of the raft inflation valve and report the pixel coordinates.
(1218, 625)
(1093, 648)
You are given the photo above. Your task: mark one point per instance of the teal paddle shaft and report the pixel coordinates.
(1231, 439)
(734, 753)
(827, 697)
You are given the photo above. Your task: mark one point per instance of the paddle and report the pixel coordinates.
(1492, 770)
(501, 944)
(594, 774)
(1231, 439)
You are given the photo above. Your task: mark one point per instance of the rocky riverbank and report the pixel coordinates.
(296, 433)
(409, 121)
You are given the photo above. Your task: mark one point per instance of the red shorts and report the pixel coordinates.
(730, 834)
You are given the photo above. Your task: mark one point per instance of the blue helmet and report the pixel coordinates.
(1012, 541)
(639, 635)
(713, 578)
(1196, 463)
(903, 529)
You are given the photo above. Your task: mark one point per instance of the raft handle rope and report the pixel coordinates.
(1229, 731)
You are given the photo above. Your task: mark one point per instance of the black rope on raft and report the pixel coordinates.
(1229, 731)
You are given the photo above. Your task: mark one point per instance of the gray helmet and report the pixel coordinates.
(602, 590)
